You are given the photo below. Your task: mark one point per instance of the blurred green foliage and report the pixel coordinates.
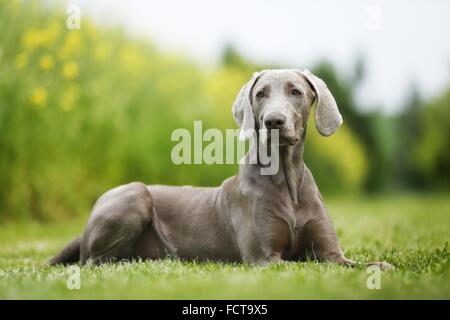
(85, 110)
(430, 154)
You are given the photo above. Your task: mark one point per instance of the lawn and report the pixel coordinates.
(409, 231)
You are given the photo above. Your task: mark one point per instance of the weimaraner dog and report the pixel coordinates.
(251, 217)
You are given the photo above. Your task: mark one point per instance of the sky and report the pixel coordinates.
(404, 43)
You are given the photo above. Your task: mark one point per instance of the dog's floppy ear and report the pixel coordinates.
(243, 110)
(327, 115)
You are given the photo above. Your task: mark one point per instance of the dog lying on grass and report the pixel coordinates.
(251, 217)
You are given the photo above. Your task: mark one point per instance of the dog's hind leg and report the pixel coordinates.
(118, 220)
(70, 254)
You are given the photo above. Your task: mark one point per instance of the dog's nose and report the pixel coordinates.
(274, 121)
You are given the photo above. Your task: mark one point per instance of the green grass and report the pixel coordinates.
(409, 231)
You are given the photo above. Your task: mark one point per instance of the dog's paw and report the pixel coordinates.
(382, 265)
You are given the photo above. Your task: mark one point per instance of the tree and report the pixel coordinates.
(430, 154)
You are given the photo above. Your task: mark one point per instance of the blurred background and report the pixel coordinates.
(87, 109)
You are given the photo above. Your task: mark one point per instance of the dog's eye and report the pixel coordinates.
(296, 92)
(260, 94)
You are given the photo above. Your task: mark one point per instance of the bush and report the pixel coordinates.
(82, 111)
(431, 153)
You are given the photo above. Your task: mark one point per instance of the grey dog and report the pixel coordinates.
(251, 217)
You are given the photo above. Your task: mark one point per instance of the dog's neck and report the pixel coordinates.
(290, 172)
(292, 168)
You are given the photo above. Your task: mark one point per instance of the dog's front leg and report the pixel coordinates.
(258, 246)
(321, 243)
(275, 236)
(320, 240)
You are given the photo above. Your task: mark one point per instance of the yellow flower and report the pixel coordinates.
(131, 58)
(40, 37)
(46, 62)
(73, 40)
(70, 70)
(30, 39)
(39, 96)
(21, 60)
(72, 44)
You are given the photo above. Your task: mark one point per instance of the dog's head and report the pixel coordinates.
(282, 99)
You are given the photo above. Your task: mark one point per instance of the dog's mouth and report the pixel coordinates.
(285, 137)
(292, 141)
(285, 140)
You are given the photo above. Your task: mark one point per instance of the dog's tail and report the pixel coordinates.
(70, 254)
